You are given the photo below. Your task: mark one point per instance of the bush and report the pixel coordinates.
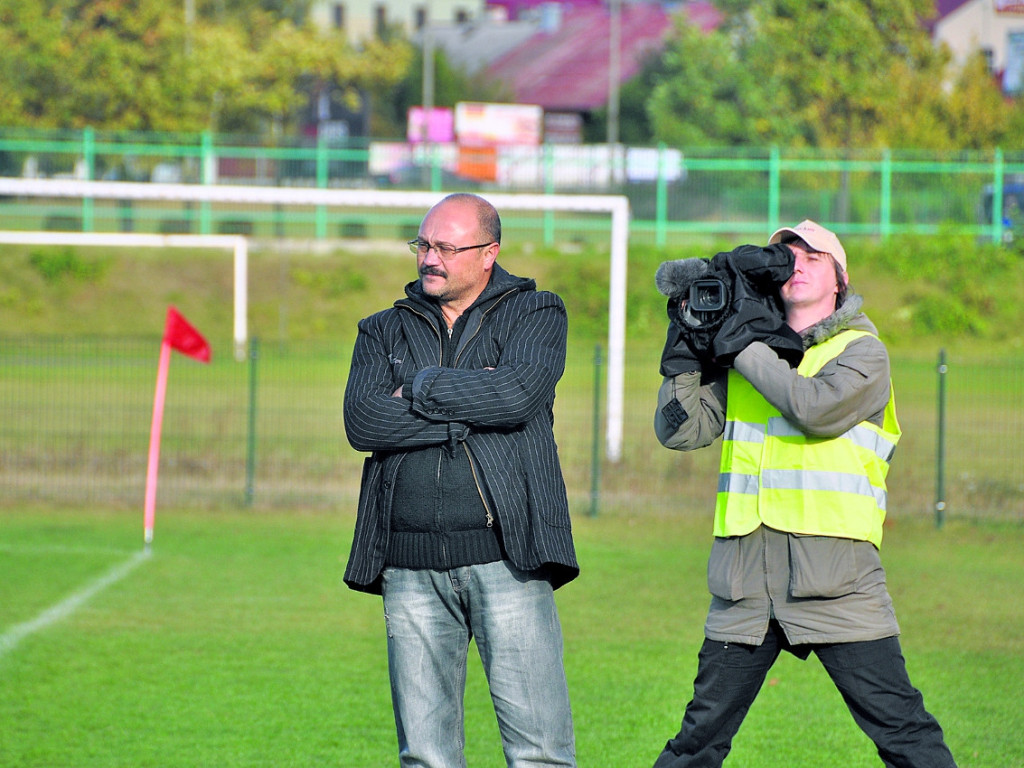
(54, 266)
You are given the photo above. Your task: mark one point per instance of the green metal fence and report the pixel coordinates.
(674, 191)
(75, 417)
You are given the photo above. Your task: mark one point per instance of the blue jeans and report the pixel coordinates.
(431, 617)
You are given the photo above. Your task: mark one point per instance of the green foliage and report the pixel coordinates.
(451, 86)
(822, 74)
(699, 92)
(139, 66)
(331, 284)
(56, 265)
(946, 287)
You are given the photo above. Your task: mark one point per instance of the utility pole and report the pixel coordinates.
(428, 76)
(190, 19)
(428, 98)
(614, 68)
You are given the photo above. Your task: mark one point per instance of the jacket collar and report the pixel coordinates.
(501, 282)
(846, 316)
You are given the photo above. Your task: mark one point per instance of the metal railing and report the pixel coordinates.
(674, 192)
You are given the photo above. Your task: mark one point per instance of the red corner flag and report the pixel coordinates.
(179, 335)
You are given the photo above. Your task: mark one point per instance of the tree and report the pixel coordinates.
(634, 122)
(979, 116)
(704, 92)
(136, 65)
(832, 74)
(451, 85)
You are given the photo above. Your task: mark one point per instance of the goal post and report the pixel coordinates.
(615, 206)
(237, 244)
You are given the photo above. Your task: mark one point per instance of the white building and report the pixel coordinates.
(365, 19)
(994, 27)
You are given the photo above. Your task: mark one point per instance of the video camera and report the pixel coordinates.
(708, 295)
(721, 304)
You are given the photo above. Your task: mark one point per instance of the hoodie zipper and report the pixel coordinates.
(463, 343)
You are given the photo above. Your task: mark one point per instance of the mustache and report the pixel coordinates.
(435, 271)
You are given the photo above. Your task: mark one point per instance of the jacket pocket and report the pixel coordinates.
(821, 566)
(725, 574)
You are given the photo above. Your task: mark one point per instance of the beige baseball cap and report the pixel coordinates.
(816, 236)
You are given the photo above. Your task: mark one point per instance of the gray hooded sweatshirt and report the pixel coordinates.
(820, 589)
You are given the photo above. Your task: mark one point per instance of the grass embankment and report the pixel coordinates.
(922, 292)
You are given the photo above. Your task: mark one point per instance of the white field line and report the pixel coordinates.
(62, 549)
(10, 639)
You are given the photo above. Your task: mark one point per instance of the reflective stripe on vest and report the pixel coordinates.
(772, 473)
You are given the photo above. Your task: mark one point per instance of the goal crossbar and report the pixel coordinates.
(237, 244)
(615, 206)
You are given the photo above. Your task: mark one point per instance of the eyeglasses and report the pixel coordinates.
(444, 250)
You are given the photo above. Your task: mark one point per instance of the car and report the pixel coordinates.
(1013, 208)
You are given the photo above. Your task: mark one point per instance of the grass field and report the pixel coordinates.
(235, 643)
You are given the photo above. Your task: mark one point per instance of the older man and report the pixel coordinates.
(463, 521)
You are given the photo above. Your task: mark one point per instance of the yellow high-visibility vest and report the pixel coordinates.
(773, 474)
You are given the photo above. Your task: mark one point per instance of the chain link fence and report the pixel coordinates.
(75, 417)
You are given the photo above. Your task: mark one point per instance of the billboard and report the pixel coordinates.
(435, 125)
(484, 124)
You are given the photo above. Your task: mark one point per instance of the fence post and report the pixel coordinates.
(661, 199)
(322, 175)
(436, 167)
(885, 215)
(206, 177)
(940, 452)
(595, 443)
(549, 189)
(774, 188)
(998, 219)
(89, 167)
(250, 443)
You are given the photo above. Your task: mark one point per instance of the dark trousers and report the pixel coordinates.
(871, 676)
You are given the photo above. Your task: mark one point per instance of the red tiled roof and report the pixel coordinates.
(567, 70)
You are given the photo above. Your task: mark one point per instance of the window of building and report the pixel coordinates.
(338, 15)
(420, 17)
(381, 20)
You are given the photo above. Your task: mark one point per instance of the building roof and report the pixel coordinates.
(516, 9)
(471, 47)
(945, 7)
(564, 66)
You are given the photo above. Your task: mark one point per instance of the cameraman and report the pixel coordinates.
(798, 523)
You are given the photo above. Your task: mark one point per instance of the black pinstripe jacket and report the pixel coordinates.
(502, 417)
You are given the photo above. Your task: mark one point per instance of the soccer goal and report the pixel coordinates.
(238, 245)
(615, 206)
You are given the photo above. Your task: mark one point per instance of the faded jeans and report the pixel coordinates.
(431, 617)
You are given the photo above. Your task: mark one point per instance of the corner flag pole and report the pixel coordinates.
(179, 335)
(154, 439)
